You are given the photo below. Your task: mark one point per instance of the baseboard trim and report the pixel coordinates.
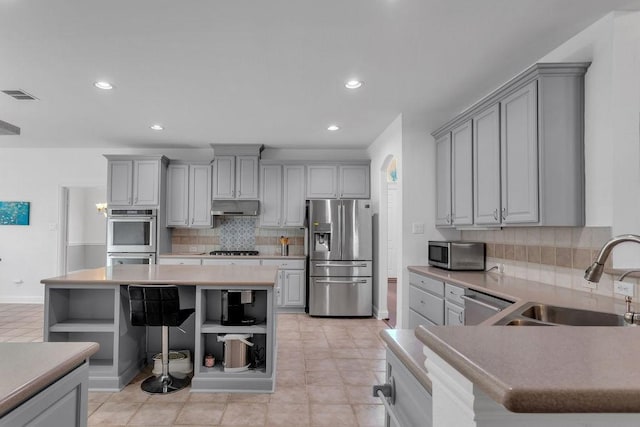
(21, 300)
(380, 314)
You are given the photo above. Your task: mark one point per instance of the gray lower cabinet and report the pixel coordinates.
(411, 404)
(260, 378)
(528, 145)
(100, 313)
(97, 313)
(290, 291)
(62, 404)
(453, 305)
(426, 301)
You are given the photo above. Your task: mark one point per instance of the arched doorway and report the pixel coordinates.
(390, 198)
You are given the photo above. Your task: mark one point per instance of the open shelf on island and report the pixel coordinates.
(213, 327)
(83, 325)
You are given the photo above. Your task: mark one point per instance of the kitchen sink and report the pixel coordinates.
(526, 322)
(536, 314)
(571, 316)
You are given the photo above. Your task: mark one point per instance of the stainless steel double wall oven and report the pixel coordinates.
(132, 236)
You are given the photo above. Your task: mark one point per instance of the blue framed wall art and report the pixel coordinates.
(14, 213)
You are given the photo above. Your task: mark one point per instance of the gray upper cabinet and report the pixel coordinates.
(528, 150)
(235, 171)
(293, 203)
(443, 180)
(134, 181)
(189, 195)
(519, 152)
(282, 202)
(461, 175)
(270, 195)
(354, 181)
(235, 177)
(486, 166)
(347, 181)
(322, 182)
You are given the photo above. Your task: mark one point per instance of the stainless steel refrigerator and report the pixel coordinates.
(340, 258)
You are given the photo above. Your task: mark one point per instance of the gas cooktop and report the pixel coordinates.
(234, 253)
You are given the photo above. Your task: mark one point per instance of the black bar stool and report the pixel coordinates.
(159, 305)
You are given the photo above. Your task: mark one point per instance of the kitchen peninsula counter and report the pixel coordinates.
(488, 375)
(36, 375)
(93, 305)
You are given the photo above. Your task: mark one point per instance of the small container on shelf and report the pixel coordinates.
(209, 361)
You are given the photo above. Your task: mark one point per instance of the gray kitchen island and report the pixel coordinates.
(93, 305)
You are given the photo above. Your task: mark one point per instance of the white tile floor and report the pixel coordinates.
(325, 371)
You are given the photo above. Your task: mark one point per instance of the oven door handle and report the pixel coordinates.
(123, 218)
(481, 303)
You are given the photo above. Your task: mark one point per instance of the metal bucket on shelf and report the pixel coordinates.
(236, 352)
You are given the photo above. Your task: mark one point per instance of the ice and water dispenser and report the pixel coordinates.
(321, 237)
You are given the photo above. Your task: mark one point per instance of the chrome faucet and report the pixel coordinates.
(595, 270)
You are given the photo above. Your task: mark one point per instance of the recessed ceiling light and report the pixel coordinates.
(103, 85)
(333, 128)
(353, 84)
(157, 127)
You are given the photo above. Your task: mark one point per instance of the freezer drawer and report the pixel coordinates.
(340, 296)
(341, 268)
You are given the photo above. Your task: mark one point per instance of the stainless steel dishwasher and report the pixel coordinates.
(479, 306)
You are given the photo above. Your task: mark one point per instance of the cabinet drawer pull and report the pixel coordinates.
(495, 214)
(504, 213)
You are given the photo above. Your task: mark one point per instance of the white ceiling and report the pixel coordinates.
(262, 71)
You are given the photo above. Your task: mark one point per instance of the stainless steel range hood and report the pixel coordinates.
(235, 208)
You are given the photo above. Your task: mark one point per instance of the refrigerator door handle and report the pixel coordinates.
(341, 282)
(341, 265)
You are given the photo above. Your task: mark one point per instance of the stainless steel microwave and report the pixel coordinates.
(457, 255)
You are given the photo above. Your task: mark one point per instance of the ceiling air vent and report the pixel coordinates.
(20, 95)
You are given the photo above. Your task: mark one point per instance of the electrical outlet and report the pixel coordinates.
(193, 249)
(623, 288)
(417, 228)
(590, 285)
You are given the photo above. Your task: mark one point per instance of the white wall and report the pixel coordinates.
(388, 143)
(30, 253)
(612, 129)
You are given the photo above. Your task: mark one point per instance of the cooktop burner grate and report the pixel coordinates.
(234, 253)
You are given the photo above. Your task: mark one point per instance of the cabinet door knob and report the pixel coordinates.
(461, 317)
(504, 213)
(495, 214)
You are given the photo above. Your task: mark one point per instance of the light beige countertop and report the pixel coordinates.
(545, 369)
(206, 275)
(522, 291)
(541, 369)
(207, 256)
(408, 349)
(28, 368)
